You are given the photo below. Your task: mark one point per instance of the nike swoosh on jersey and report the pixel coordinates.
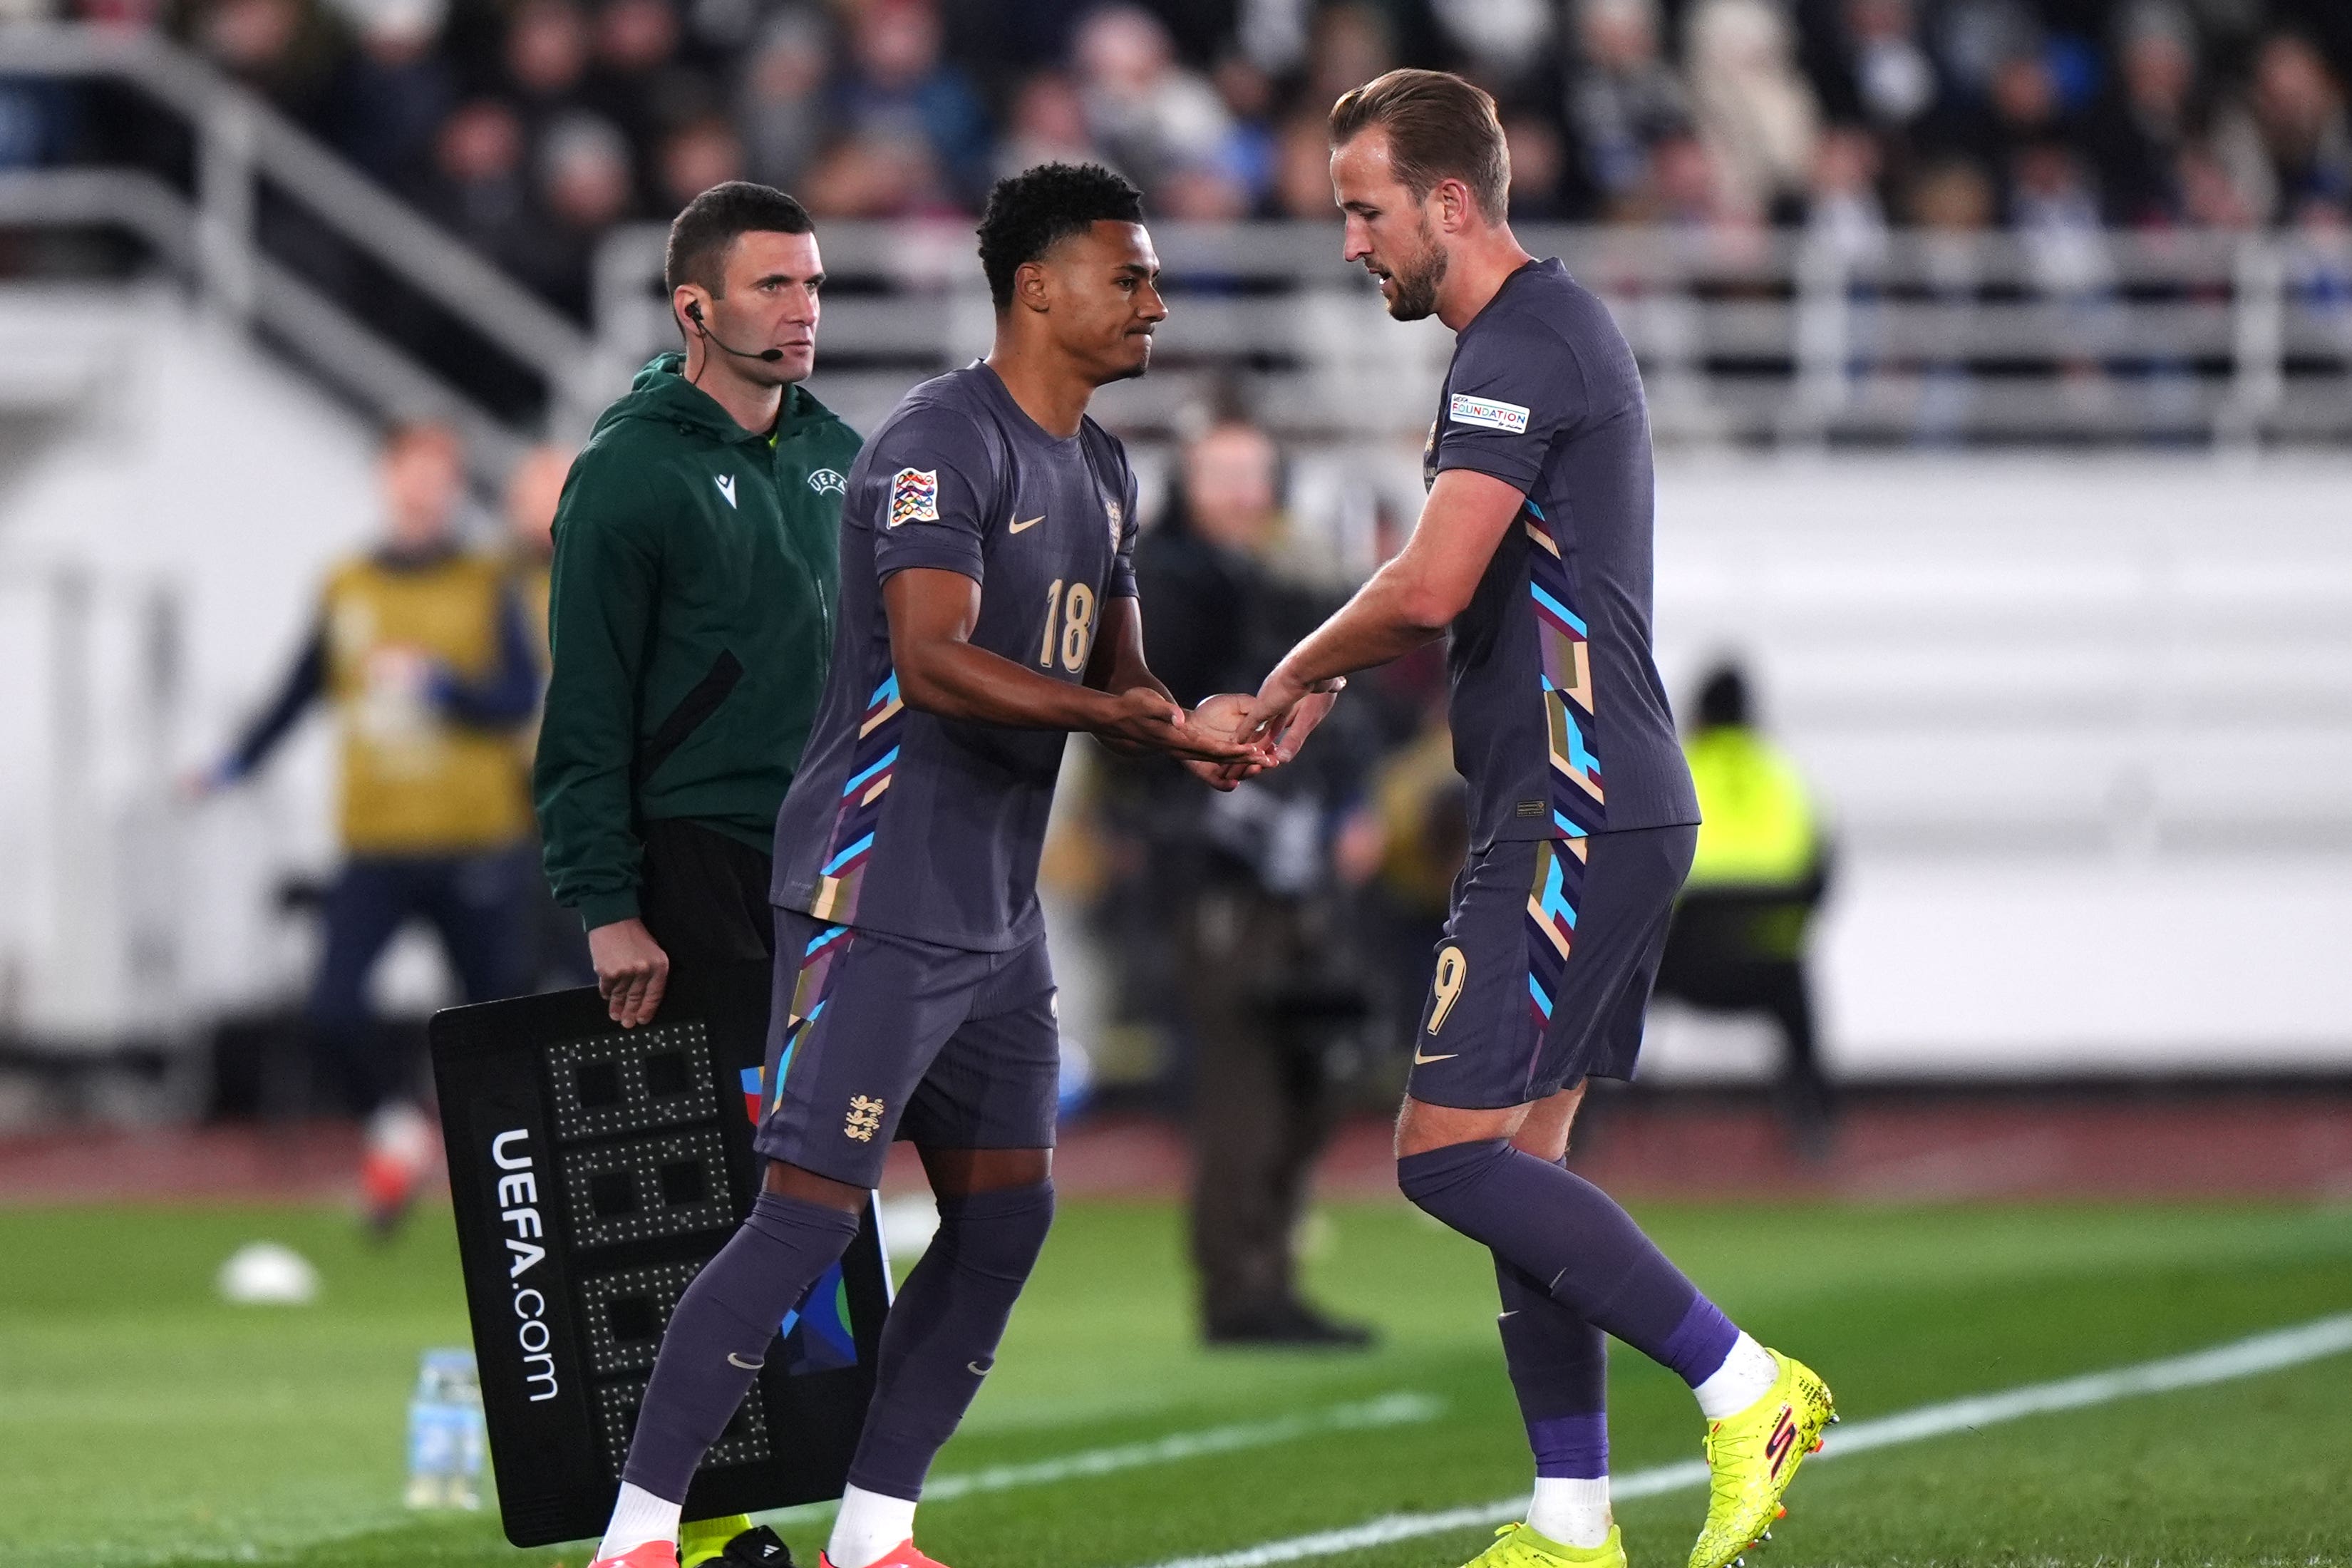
(747, 1365)
(1026, 523)
(1420, 1060)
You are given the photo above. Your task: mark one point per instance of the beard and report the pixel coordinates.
(1417, 281)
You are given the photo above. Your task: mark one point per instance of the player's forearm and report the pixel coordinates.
(953, 680)
(1388, 617)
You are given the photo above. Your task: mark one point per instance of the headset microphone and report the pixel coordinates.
(694, 311)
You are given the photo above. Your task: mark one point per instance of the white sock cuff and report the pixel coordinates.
(1746, 1376)
(638, 1517)
(868, 1527)
(1572, 1511)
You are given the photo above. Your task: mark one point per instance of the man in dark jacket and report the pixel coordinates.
(1254, 911)
(690, 613)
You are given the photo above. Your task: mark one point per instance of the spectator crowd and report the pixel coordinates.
(531, 126)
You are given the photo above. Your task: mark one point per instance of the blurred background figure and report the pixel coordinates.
(1743, 927)
(423, 648)
(1247, 897)
(558, 955)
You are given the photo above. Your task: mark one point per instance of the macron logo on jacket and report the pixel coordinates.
(725, 483)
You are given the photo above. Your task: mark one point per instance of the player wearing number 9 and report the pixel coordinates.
(988, 607)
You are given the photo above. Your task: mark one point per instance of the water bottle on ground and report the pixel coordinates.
(446, 1441)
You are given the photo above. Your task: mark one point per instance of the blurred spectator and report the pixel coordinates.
(1152, 117)
(1755, 111)
(897, 90)
(1682, 190)
(1347, 45)
(1048, 125)
(2290, 140)
(780, 103)
(1876, 69)
(546, 57)
(422, 648)
(1623, 100)
(1247, 898)
(1538, 169)
(585, 185)
(287, 50)
(875, 176)
(2144, 124)
(393, 90)
(1502, 42)
(1952, 198)
(1302, 169)
(1742, 927)
(1842, 204)
(478, 186)
(2055, 214)
(696, 156)
(637, 81)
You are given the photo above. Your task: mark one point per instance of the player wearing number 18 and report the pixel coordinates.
(987, 609)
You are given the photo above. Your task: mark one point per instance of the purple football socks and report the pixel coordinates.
(719, 1334)
(1576, 1245)
(1559, 1369)
(942, 1332)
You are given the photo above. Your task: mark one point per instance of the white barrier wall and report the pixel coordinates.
(2085, 725)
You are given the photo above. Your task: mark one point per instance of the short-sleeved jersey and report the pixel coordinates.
(926, 827)
(1560, 724)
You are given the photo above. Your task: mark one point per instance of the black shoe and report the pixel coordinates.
(758, 1547)
(1291, 1324)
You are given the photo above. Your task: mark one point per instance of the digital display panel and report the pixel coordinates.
(593, 1170)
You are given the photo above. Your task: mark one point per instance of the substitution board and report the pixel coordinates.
(593, 1170)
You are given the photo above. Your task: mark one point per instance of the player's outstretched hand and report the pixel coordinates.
(1147, 718)
(1284, 711)
(631, 970)
(1223, 715)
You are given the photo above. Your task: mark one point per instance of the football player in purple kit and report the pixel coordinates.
(1532, 556)
(987, 609)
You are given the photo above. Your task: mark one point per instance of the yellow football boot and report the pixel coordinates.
(1518, 1546)
(1754, 1456)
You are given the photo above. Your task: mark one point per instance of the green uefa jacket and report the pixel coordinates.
(690, 617)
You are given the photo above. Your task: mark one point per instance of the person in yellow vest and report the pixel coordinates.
(422, 648)
(1743, 925)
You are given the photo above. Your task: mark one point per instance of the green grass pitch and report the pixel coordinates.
(141, 1421)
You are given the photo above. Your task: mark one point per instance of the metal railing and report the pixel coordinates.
(1746, 339)
(245, 149)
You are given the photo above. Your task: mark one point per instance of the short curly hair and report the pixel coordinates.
(1029, 212)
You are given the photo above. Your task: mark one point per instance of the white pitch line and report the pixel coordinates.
(1399, 1409)
(2271, 1352)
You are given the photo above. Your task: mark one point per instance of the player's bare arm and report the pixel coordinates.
(932, 613)
(1409, 602)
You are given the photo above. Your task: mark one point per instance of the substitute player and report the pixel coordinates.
(1534, 550)
(987, 609)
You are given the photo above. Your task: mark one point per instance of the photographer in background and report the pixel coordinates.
(1269, 994)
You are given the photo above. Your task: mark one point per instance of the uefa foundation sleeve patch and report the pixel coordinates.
(1481, 411)
(915, 495)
